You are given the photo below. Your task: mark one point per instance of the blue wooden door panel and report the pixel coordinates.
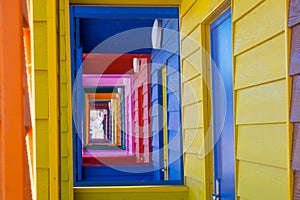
(174, 117)
(156, 123)
(79, 98)
(80, 110)
(221, 44)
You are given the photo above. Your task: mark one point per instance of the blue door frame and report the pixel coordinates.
(223, 117)
(76, 13)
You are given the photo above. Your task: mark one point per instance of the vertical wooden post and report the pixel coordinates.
(12, 136)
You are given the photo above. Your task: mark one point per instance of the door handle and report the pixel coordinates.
(216, 195)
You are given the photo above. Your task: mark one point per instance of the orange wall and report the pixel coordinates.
(12, 136)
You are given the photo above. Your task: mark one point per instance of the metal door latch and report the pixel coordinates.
(216, 195)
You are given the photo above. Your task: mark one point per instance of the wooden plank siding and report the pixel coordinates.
(65, 106)
(258, 28)
(45, 63)
(197, 167)
(294, 23)
(259, 39)
(262, 136)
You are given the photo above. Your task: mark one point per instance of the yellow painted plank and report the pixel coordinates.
(261, 182)
(242, 7)
(53, 98)
(192, 116)
(131, 196)
(64, 169)
(64, 144)
(62, 22)
(64, 119)
(261, 64)
(196, 189)
(41, 94)
(66, 112)
(263, 22)
(265, 144)
(39, 10)
(63, 96)
(129, 2)
(63, 75)
(40, 45)
(193, 140)
(185, 6)
(191, 42)
(131, 189)
(62, 50)
(192, 91)
(42, 186)
(42, 144)
(65, 189)
(191, 66)
(197, 13)
(262, 104)
(194, 167)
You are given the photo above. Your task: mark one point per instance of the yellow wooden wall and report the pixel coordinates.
(260, 40)
(195, 110)
(261, 86)
(45, 132)
(262, 99)
(66, 155)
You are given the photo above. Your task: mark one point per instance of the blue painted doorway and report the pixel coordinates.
(222, 103)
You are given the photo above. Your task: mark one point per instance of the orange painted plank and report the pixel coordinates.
(12, 137)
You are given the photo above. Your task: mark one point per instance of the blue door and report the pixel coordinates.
(222, 93)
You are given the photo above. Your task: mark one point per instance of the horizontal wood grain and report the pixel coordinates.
(262, 64)
(193, 140)
(242, 7)
(262, 104)
(262, 182)
(192, 116)
(196, 189)
(194, 167)
(191, 42)
(192, 91)
(185, 6)
(254, 144)
(262, 23)
(197, 13)
(191, 66)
